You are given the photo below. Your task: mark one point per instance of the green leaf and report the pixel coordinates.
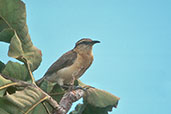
(14, 30)
(39, 109)
(89, 109)
(52, 89)
(96, 101)
(4, 84)
(2, 65)
(79, 109)
(23, 101)
(47, 86)
(100, 98)
(97, 97)
(4, 24)
(16, 98)
(16, 70)
(15, 48)
(57, 93)
(3, 111)
(6, 35)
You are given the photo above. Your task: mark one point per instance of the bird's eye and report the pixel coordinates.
(84, 42)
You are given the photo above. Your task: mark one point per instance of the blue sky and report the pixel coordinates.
(133, 60)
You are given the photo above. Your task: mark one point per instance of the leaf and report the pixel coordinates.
(96, 101)
(97, 97)
(4, 24)
(30, 98)
(79, 109)
(39, 109)
(100, 98)
(16, 70)
(57, 93)
(23, 101)
(14, 30)
(3, 111)
(53, 89)
(47, 86)
(89, 109)
(15, 48)
(2, 65)
(92, 108)
(4, 83)
(6, 34)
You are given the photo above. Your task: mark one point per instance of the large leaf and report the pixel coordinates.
(4, 84)
(15, 99)
(97, 97)
(16, 70)
(96, 101)
(23, 101)
(14, 30)
(100, 98)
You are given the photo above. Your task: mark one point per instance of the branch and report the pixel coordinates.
(67, 100)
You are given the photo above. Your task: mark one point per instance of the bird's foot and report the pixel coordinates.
(73, 87)
(78, 87)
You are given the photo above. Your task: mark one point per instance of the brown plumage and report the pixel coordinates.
(72, 64)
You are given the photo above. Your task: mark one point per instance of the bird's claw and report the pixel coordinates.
(79, 87)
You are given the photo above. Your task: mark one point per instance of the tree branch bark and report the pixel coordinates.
(68, 99)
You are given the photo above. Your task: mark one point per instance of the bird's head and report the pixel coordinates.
(85, 45)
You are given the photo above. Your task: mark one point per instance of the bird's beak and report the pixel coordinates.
(95, 41)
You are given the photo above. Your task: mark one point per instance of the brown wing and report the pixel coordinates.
(65, 60)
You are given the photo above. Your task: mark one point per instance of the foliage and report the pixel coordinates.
(18, 99)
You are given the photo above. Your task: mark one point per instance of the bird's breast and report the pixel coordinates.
(76, 69)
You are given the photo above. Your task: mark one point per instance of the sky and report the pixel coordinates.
(133, 60)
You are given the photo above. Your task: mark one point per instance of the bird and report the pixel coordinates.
(71, 65)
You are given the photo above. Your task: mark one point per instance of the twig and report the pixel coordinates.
(47, 110)
(29, 69)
